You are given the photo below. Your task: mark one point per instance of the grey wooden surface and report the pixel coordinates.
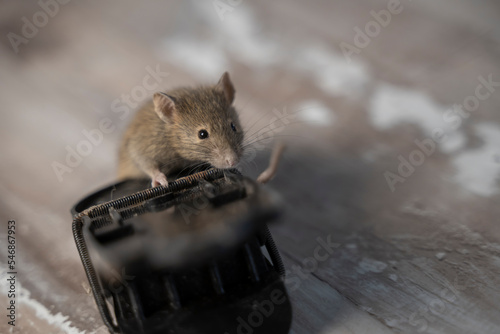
(420, 258)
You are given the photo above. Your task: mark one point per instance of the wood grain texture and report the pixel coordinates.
(423, 258)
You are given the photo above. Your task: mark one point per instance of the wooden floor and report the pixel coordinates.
(412, 222)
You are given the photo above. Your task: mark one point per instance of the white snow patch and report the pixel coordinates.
(239, 33)
(330, 71)
(58, 320)
(315, 113)
(477, 169)
(391, 106)
(377, 151)
(200, 58)
(440, 256)
(393, 277)
(370, 265)
(248, 43)
(454, 142)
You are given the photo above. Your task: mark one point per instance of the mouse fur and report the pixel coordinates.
(182, 128)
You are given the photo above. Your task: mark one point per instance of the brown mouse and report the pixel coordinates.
(180, 129)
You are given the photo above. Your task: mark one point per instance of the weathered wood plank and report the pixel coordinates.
(423, 258)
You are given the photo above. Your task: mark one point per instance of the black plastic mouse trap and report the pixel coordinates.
(193, 257)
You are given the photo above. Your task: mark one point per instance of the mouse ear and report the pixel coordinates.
(164, 106)
(227, 87)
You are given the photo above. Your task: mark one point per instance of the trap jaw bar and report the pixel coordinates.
(233, 288)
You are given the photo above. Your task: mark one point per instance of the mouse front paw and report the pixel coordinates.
(159, 179)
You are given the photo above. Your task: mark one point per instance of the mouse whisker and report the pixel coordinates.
(276, 120)
(271, 137)
(259, 133)
(288, 115)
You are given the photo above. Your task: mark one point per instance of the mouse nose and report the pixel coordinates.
(231, 160)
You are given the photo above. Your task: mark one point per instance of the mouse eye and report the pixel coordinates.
(233, 127)
(203, 134)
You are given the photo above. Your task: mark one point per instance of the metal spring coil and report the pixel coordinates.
(274, 252)
(142, 196)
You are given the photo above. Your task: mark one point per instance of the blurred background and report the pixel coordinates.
(390, 110)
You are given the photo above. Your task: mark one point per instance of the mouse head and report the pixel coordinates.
(202, 123)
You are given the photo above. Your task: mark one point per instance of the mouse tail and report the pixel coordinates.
(268, 174)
